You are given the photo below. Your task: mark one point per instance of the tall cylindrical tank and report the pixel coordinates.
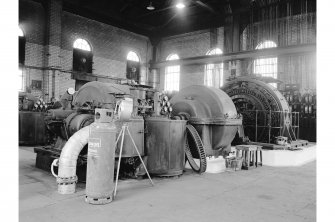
(165, 141)
(100, 159)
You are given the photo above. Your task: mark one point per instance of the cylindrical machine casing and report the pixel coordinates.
(165, 141)
(153, 79)
(100, 163)
(76, 121)
(211, 112)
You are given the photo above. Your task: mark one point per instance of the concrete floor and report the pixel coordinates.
(264, 194)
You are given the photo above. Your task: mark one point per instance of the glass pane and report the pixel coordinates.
(81, 44)
(20, 32)
(266, 67)
(132, 56)
(214, 72)
(20, 80)
(172, 57)
(172, 75)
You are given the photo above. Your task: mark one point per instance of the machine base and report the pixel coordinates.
(288, 158)
(285, 158)
(296, 144)
(45, 156)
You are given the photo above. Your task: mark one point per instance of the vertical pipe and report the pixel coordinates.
(256, 125)
(298, 131)
(269, 123)
(53, 83)
(281, 121)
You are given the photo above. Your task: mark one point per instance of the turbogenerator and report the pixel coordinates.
(79, 110)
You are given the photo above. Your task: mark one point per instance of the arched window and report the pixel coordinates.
(20, 32)
(214, 72)
(82, 44)
(82, 56)
(172, 75)
(22, 46)
(132, 56)
(215, 51)
(266, 67)
(133, 66)
(82, 60)
(22, 50)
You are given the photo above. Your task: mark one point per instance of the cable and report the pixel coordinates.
(54, 163)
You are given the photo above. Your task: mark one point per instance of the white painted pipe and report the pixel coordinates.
(68, 161)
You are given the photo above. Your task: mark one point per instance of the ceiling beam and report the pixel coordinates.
(253, 54)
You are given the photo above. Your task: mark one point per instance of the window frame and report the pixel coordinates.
(21, 77)
(133, 66)
(267, 66)
(172, 75)
(21, 74)
(81, 44)
(214, 70)
(132, 55)
(21, 32)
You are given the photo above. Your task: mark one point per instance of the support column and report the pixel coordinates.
(154, 74)
(52, 48)
(232, 44)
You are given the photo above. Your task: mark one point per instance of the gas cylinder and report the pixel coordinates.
(100, 158)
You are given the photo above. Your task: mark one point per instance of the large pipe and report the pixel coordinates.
(67, 163)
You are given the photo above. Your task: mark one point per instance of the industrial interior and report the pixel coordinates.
(167, 110)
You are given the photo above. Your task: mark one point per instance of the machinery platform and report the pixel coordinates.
(285, 158)
(296, 144)
(289, 157)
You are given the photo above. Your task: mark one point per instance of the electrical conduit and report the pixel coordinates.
(67, 162)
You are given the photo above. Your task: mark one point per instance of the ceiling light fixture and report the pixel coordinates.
(150, 7)
(180, 5)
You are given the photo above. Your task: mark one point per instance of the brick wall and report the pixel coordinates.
(50, 33)
(110, 44)
(32, 22)
(110, 47)
(189, 45)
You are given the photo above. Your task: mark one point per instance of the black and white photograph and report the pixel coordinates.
(168, 111)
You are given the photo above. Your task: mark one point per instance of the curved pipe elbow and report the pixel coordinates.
(70, 153)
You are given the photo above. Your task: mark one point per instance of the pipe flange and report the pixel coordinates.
(67, 180)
